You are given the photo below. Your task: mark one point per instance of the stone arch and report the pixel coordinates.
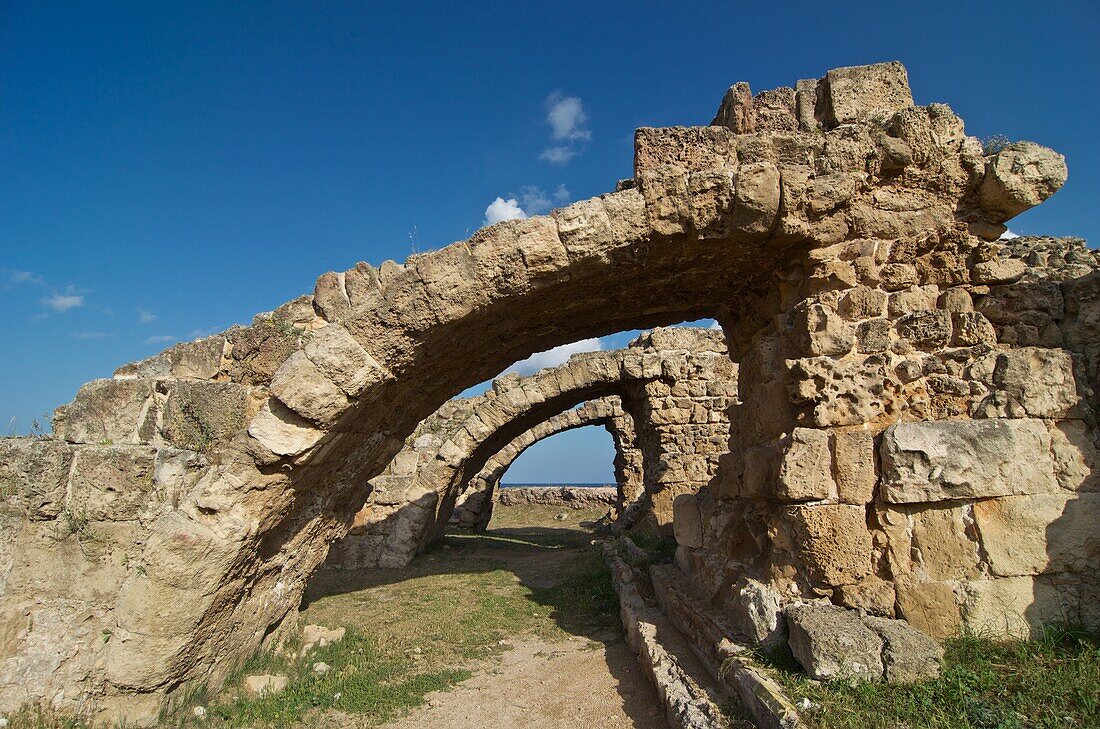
(210, 474)
(412, 500)
(478, 499)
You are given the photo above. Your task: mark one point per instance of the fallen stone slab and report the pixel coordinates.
(907, 654)
(832, 642)
(572, 497)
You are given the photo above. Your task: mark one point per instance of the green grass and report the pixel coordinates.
(1053, 681)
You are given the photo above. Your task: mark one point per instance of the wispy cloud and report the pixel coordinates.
(558, 155)
(16, 278)
(89, 335)
(203, 333)
(535, 201)
(567, 120)
(61, 303)
(554, 357)
(145, 316)
(161, 339)
(501, 209)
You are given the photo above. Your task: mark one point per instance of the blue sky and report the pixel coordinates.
(169, 169)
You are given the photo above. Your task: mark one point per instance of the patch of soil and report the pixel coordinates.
(548, 685)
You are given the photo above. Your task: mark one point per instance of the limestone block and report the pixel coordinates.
(942, 544)
(304, 388)
(318, 636)
(873, 336)
(998, 271)
(1035, 381)
(198, 360)
(927, 330)
(756, 199)
(710, 199)
(1010, 606)
(112, 483)
(201, 416)
(143, 662)
(817, 330)
(862, 302)
(804, 472)
(584, 229)
(108, 411)
(183, 554)
(956, 300)
(832, 642)
(736, 110)
(937, 461)
(1019, 177)
(908, 655)
(913, 299)
(854, 466)
(686, 521)
(970, 328)
(1040, 533)
(666, 199)
(689, 148)
(873, 595)
(855, 92)
(331, 298)
(34, 474)
(343, 361)
(755, 609)
(282, 431)
(831, 276)
(831, 539)
(1076, 456)
(258, 351)
(540, 247)
(626, 210)
(931, 607)
(897, 276)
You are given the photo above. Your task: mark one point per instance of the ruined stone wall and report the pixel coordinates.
(212, 475)
(917, 437)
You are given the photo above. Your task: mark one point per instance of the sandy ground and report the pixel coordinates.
(576, 683)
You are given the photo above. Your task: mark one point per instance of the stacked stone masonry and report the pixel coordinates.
(846, 240)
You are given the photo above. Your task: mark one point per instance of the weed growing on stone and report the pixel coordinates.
(1053, 681)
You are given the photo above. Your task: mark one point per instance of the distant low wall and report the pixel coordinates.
(573, 497)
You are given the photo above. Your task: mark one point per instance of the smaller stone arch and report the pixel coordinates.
(474, 509)
(662, 379)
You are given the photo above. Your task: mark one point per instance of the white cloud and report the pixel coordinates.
(1008, 235)
(146, 317)
(63, 302)
(558, 155)
(567, 118)
(501, 209)
(89, 335)
(202, 333)
(161, 339)
(553, 357)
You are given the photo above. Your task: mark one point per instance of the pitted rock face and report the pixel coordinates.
(234, 459)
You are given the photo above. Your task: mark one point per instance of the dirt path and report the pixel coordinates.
(543, 685)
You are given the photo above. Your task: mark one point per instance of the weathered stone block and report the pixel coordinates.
(1032, 381)
(1040, 533)
(832, 540)
(755, 609)
(112, 483)
(1019, 177)
(855, 92)
(908, 655)
(937, 461)
(34, 474)
(108, 411)
(756, 199)
(687, 522)
(302, 387)
(282, 431)
(854, 466)
(200, 416)
(803, 472)
(834, 643)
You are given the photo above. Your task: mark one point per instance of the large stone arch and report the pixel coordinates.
(185, 502)
(412, 500)
(475, 509)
